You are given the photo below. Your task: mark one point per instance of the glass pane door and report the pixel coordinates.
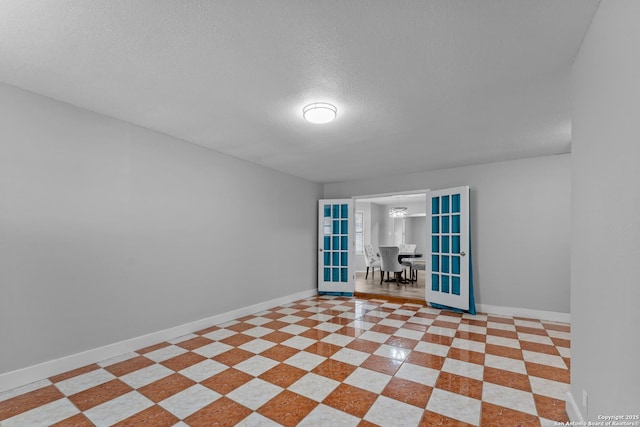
(448, 264)
(336, 234)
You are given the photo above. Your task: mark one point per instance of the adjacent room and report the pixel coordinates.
(198, 200)
(390, 220)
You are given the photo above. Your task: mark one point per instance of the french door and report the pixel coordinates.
(447, 260)
(336, 246)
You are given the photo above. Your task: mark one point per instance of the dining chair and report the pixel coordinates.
(408, 248)
(389, 262)
(417, 264)
(372, 260)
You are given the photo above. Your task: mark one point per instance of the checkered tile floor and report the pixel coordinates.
(321, 361)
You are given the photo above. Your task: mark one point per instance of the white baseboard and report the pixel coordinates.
(572, 410)
(553, 316)
(20, 377)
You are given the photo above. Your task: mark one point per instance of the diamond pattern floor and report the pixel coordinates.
(321, 361)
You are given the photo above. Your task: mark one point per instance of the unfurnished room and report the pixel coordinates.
(319, 213)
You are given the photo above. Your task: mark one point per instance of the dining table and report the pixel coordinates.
(403, 255)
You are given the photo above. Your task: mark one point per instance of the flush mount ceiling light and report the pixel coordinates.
(319, 112)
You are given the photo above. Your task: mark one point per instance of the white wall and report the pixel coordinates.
(374, 222)
(390, 229)
(365, 207)
(605, 271)
(110, 231)
(416, 232)
(520, 226)
(378, 216)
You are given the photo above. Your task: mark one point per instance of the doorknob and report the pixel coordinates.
(320, 249)
(462, 254)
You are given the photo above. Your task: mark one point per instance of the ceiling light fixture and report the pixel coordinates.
(398, 212)
(319, 112)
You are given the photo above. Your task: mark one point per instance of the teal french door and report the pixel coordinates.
(336, 246)
(447, 260)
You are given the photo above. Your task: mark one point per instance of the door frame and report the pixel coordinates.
(424, 192)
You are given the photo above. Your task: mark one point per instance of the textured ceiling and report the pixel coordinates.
(418, 84)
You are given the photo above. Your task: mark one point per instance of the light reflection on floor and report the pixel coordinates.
(372, 286)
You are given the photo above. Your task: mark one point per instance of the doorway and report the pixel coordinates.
(391, 219)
